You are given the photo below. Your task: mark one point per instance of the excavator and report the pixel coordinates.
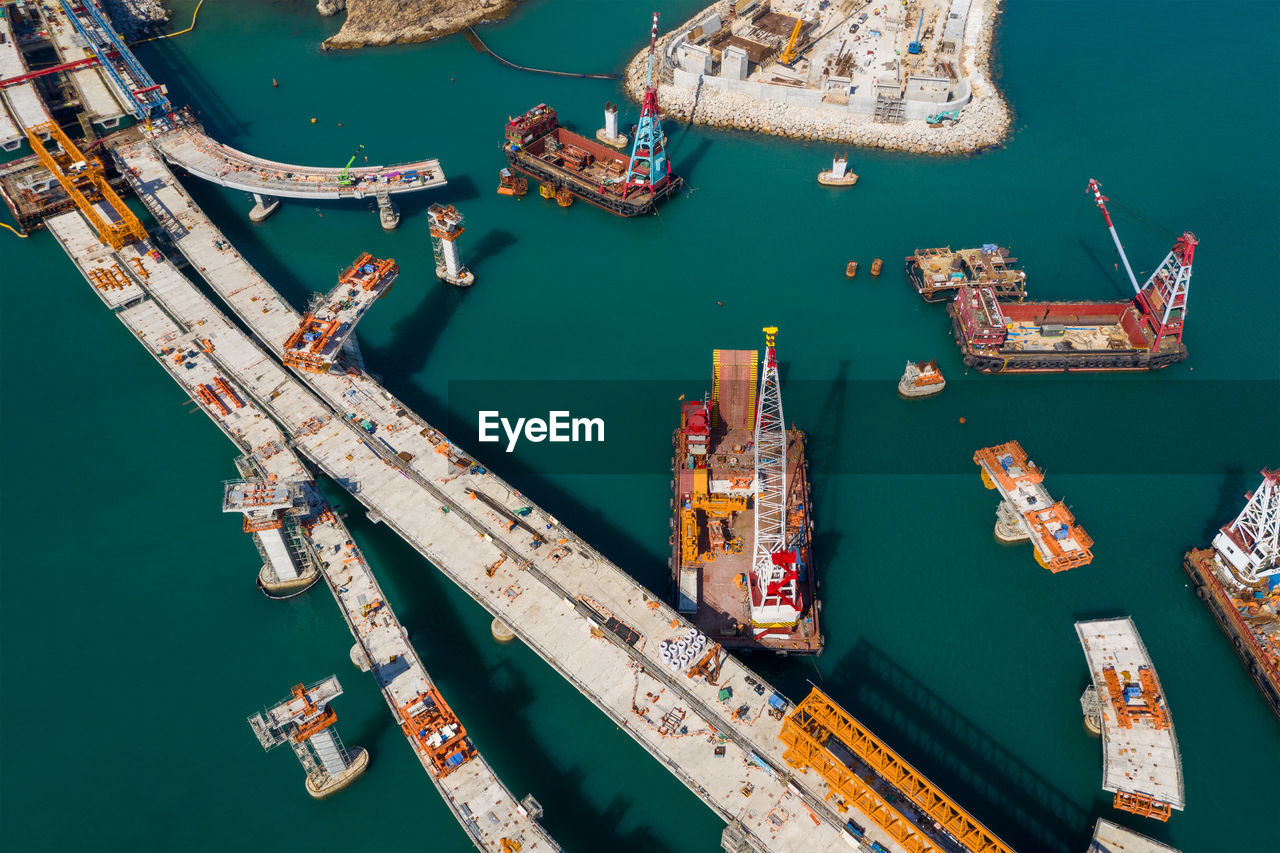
(344, 178)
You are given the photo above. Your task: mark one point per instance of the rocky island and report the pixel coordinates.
(907, 78)
(378, 22)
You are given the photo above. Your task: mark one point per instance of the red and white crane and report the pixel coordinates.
(1251, 543)
(1163, 298)
(775, 584)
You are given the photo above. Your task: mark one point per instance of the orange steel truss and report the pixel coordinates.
(306, 730)
(1143, 806)
(989, 459)
(304, 354)
(84, 182)
(1060, 559)
(806, 731)
(426, 728)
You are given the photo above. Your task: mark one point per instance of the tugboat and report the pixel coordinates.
(851, 269)
(839, 176)
(921, 379)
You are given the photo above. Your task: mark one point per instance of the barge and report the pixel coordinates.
(1144, 333)
(937, 274)
(1238, 579)
(539, 147)
(741, 549)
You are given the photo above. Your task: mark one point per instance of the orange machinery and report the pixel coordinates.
(435, 730)
(1021, 473)
(1151, 708)
(1143, 806)
(1044, 522)
(818, 721)
(83, 180)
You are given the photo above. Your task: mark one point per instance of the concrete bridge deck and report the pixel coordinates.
(212, 348)
(206, 158)
(556, 597)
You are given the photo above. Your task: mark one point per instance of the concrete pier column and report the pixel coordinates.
(501, 632)
(263, 207)
(329, 753)
(452, 260)
(388, 214)
(609, 133)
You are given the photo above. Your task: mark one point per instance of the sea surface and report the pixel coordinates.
(133, 643)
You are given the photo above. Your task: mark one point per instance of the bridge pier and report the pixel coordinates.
(263, 207)
(388, 213)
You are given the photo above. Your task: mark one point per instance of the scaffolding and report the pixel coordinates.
(304, 721)
(818, 731)
(84, 181)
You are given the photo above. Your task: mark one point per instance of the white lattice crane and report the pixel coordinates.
(775, 586)
(1251, 543)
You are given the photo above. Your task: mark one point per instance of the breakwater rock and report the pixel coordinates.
(378, 22)
(136, 18)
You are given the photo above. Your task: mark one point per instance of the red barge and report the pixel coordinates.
(562, 160)
(1144, 333)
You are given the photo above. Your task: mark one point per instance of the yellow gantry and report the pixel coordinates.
(816, 721)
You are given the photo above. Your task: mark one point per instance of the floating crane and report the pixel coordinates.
(344, 179)
(1163, 297)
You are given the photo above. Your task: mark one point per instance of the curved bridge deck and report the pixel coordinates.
(206, 158)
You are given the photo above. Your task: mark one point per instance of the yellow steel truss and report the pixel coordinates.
(85, 184)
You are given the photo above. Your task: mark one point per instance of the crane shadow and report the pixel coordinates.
(1230, 501)
(999, 789)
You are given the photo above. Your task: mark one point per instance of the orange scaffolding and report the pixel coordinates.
(1060, 559)
(1143, 806)
(83, 180)
(817, 720)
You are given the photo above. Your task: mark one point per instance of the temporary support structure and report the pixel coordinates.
(819, 734)
(83, 180)
(305, 722)
(446, 228)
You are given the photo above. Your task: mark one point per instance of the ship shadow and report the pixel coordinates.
(689, 164)
(1230, 501)
(169, 65)
(1000, 790)
(491, 701)
(460, 189)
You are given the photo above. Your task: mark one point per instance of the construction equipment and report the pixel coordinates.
(937, 119)
(789, 53)
(820, 734)
(84, 181)
(344, 177)
(914, 47)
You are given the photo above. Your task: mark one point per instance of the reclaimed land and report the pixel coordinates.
(379, 22)
(984, 122)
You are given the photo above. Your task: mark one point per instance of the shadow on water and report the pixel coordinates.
(689, 164)
(1114, 275)
(1002, 792)
(490, 245)
(414, 335)
(461, 188)
(1230, 501)
(492, 703)
(169, 64)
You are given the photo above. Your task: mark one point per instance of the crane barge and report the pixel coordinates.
(1144, 333)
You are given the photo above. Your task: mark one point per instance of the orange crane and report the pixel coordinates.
(789, 53)
(83, 180)
(818, 722)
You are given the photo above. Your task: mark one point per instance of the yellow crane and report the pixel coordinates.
(789, 53)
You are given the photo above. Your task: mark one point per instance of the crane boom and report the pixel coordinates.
(1102, 205)
(789, 52)
(344, 179)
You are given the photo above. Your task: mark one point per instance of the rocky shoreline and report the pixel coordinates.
(136, 18)
(984, 123)
(381, 22)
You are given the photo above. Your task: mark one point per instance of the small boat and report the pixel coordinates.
(564, 198)
(547, 189)
(509, 183)
(274, 84)
(839, 176)
(851, 269)
(921, 379)
(876, 265)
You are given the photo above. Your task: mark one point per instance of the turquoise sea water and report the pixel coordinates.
(134, 643)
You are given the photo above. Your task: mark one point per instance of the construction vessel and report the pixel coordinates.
(305, 721)
(509, 183)
(1140, 760)
(921, 379)
(852, 764)
(446, 228)
(839, 174)
(329, 326)
(937, 274)
(1038, 337)
(539, 147)
(741, 550)
(1027, 512)
(1238, 579)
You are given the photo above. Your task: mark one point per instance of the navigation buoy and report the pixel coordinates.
(274, 84)
(313, 121)
(962, 420)
(339, 124)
